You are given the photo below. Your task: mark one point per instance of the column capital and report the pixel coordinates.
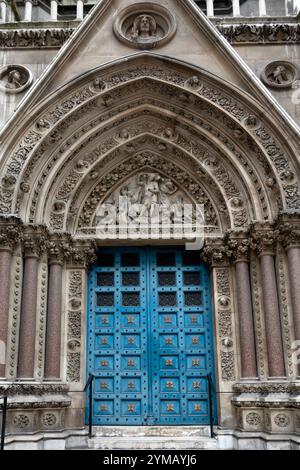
(216, 252)
(83, 253)
(288, 225)
(35, 240)
(60, 247)
(10, 232)
(264, 238)
(240, 244)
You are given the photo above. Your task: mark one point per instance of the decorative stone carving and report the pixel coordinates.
(253, 419)
(225, 333)
(144, 197)
(282, 420)
(265, 388)
(14, 315)
(10, 232)
(35, 240)
(264, 238)
(216, 254)
(33, 389)
(49, 420)
(240, 246)
(21, 421)
(263, 33)
(15, 78)
(257, 303)
(145, 25)
(34, 38)
(74, 324)
(240, 217)
(279, 74)
(146, 158)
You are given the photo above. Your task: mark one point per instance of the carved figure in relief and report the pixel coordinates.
(14, 79)
(145, 195)
(279, 75)
(144, 28)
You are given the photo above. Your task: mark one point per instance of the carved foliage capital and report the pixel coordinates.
(83, 253)
(35, 241)
(10, 232)
(240, 244)
(264, 238)
(216, 253)
(60, 247)
(289, 229)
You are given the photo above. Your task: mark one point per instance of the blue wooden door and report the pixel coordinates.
(150, 337)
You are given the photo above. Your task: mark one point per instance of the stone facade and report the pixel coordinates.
(211, 129)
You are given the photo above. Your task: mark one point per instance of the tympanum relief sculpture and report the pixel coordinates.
(146, 200)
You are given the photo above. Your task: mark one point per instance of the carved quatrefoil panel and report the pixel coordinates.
(145, 25)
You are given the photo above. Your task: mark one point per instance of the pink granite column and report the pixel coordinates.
(294, 275)
(5, 267)
(53, 332)
(246, 324)
(272, 316)
(28, 317)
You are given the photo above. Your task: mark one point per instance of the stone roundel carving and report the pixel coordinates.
(49, 419)
(145, 25)
(253, 419)
(15, 78)
(21, 421)
(279, 74)
(282, 420)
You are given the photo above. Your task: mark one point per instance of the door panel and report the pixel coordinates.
(150, 344)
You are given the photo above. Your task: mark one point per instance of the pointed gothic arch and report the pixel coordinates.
(217, 127)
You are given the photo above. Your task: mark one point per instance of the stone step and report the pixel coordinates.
(152, 431)
(152, 443)
(152, 438)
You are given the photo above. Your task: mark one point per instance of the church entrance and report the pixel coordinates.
(150, 341)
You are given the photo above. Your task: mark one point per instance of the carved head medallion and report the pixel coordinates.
(279, 74)
(145, 25)
(15, 78)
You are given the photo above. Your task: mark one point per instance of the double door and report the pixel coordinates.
(150, 337)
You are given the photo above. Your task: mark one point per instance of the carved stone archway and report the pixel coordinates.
(218, 145)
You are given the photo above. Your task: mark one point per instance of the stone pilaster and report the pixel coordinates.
(218, 255)
(264, 240)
